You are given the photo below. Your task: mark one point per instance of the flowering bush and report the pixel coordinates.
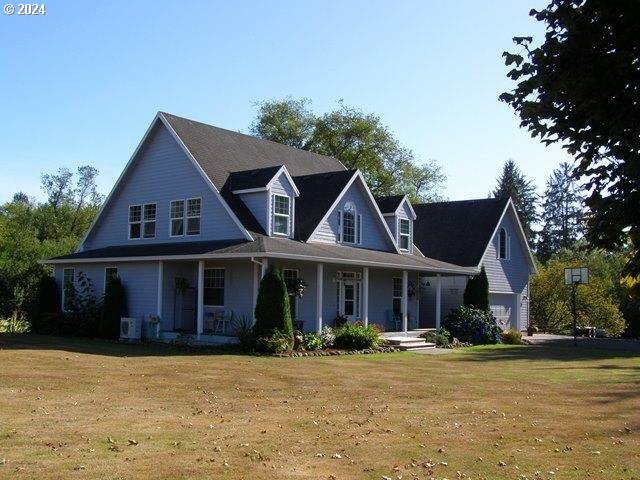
(328, 336)
(357, 337)
(311, 341)
(472, 325)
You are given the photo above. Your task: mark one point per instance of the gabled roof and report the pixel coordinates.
(251, 179)
(221, 152)
(389, 205)
(457, 232)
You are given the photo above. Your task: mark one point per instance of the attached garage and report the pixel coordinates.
(505, 308)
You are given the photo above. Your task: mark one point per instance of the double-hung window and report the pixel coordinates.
(185, 217)
(291, 275)
(350, 224)
(404, 234)
(68, 282)
(281, 214)
(503, 245)
(214, 287)
(177, 218)
(142, 221)
(397, 296)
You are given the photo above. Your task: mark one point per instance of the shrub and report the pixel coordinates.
(328, 336)
(114, 307)
(438, 338)
(472, 325)
(46, 312)
(243, 328)
(83, 310)
(14, 324)
(272, 307)
(357, 337)
(311, 341)
(277, 342)
(476, 293)
(512, 337)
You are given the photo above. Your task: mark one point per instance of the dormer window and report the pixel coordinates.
(503, 245)
(350, 224)
(281, 215)
(404, 234)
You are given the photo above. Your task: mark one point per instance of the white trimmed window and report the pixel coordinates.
(350, 224)
(109, 274)
(503, 245)
(142, 221)
(281, 214)
(289, 275)
(214, 287)
(397, 296)
(177, 218)
(68, 281)
(404, 234)
(194, 207)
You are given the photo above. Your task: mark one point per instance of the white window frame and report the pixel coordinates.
(507, 244)
(187, 217)
(145, 221)
(357, 220)
(142, 221)
(393, 293)
(400, 234)
(110, 267)
(274, 215)
(224, 286)
(64, 283)
(295, 297)
(356, 278)
(172, 218)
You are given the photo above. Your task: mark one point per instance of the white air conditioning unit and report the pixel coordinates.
(130, 329)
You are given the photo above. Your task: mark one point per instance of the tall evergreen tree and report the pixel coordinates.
(513, 183)
(562, 214)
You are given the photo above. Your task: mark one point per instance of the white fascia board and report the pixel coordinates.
(283, 169)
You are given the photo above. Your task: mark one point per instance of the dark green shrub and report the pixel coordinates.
(243, 329)
(272, 307)
(438, 338)
(357, 337)
(311, 341)
(512, 337)
(83, 313)
(114, 307)
(476, 294)
(46, 312)
(277, 342)
(472, 325)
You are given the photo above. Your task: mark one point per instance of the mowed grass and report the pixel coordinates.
(72, 408)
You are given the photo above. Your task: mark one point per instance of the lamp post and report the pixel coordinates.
(574, 276)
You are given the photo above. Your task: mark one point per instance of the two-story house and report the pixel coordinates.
(200, 213)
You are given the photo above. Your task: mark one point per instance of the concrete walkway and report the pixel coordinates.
(567, 341)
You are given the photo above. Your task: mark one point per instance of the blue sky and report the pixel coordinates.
(81, 84)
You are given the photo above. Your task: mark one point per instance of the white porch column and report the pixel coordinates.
(265, 267)
(319, 289)
(200, 318)
(405, 313)
(438, 301)
(160, 283)
(365, 296)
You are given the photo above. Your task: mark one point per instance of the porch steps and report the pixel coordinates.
(410, 343)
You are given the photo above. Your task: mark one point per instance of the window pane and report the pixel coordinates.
(193, 207)
(290, 274)
(404, 226)
(397, 306)
(149, 229)
(135, 213)
(281, 204)
(348, 227)
(110, 273)
(193, 226)
(177, 209)
(134, 230)
(177, 227)
(214, 286)
(404, 242)
(281, 224)
(68, 274)
(214, 297)
(150, 211)
(397, 287)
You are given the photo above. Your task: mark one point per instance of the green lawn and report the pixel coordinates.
(72, 408)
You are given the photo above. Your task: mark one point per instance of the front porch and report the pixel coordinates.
(207, 300)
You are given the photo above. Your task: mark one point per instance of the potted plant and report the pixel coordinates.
(296, 287)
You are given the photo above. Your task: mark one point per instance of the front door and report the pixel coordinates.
(350, 299)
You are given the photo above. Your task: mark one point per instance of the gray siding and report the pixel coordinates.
(374, 235)
(451, 292)
(258, 203)
(162, 172)
(281, 186)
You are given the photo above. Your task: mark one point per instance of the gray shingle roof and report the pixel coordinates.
(246, 179)
(457, 232)
(221, 152)
(389, 204)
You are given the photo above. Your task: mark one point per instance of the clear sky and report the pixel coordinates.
(81, 84)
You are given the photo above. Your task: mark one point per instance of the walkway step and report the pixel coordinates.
(413, 348)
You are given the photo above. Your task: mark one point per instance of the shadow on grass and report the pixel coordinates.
(97, 346)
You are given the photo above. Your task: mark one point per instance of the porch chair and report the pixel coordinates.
(395, 320)
(223, 321)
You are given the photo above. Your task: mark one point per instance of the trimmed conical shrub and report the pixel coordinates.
(272, 312)
(476, 295)
(114, 306)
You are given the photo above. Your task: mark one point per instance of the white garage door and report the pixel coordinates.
(503, 307)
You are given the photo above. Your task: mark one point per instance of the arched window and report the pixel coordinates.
(350, 224)
(503, 244)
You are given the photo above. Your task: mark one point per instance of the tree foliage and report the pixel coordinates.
(598, 303)
(476, 293)
(273, 313)
(358, 140)
(562, 213)
(512, 183)
(581, 89)
(114, 307)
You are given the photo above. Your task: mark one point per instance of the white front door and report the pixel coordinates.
(350, 299)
